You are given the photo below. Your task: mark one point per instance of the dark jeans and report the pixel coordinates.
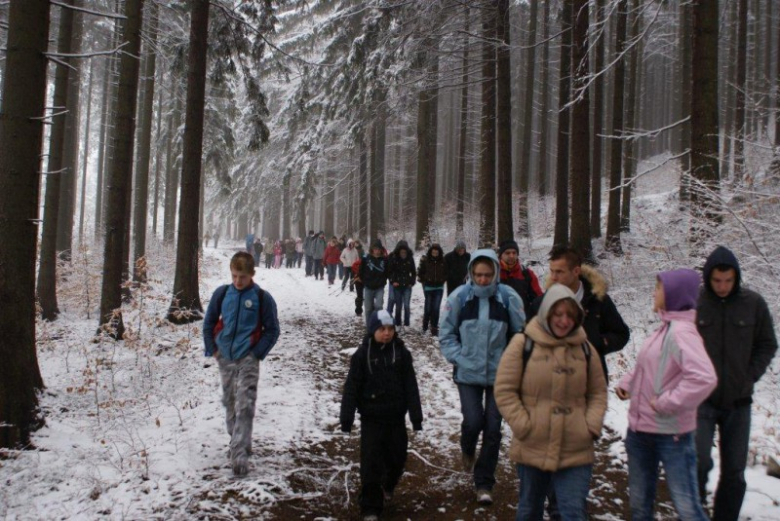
(734, 428)
(373, 299)
(319, 270)
(390, 298)
(331, 273)
(432, 307)
(646, 451)
(571, 485)
(402, 298)
(298, 258)
(382, 458)
(358, 298)
(347, 279)
(340, 267)
(481, 416)
(309, 264)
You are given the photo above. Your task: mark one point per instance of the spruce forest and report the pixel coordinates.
(134, 134)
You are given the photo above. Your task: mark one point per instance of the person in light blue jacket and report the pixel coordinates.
(480, 317)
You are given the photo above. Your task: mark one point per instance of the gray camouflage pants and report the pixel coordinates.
(239, 392)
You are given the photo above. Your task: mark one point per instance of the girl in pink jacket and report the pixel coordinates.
(672, 376)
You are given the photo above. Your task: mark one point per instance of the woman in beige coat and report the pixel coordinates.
(555, 406)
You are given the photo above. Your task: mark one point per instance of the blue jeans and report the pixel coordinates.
(571, 486)
(340, 267)
(373, 300)
(390, 298)
(734, 427)
(331, 273)
(480, 417)
(402, 298)
(677, 453)
(432, 306)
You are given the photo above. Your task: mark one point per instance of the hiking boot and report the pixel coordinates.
(434, 331)
(240, 468)
(388, 495)
(484, 497)
(469, 460)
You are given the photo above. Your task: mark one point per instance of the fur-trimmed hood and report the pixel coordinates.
(595, 280)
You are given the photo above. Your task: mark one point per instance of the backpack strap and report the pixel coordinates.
(527, 350)
(586, 350)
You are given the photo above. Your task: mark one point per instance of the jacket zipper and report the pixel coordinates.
(235, 326)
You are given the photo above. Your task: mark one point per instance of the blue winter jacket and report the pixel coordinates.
(241, 333)
(478, 324)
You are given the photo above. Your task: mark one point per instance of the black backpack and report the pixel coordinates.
(529, 347)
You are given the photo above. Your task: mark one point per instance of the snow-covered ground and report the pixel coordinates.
(135, 428)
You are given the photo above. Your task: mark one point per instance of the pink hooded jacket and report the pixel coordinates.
(673, 373)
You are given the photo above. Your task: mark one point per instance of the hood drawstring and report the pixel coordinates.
(368, 358)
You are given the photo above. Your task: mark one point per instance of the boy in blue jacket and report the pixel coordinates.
(239, 330)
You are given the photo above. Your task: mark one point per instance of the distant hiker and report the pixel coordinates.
(239, 330)
(736, 325)
(603, 324)
(432, 274)
(456, 263)
(269, 253)
(672, 376)
(257, 250)
(554, 400)
(331, 258)
(206, 239)
(318, 253)
(278, 251)
(479, 318)
(382, 386)
(216, 238)
(348, 257)
(308, 248)
(250, 240)
(289, 253)
(520, 278)
(298, 251)
(373, 275)
(402, 274)
(356, 277)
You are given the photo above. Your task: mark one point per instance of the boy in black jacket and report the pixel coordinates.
(382, 386)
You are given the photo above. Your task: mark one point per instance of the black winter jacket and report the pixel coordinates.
(738, 334)
(432, 271)
(603, 324)
(381, 385)
(373, 271)
(457, 267)
(400, 270)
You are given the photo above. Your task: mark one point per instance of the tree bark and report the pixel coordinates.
(463, 141)
(561, 234)
(47, 272)
(120, 170)
(186, 305)
(427, 131)
(686, 93)
(377, 187)
(171, 167)
(633, 90)
(580, 135)
(704, 115)
(141, 192)
(70, 151)
(598, 123)
(528, 120)
(612, 242)
(21, 130)
(544, 121)
(740, 89)
(504, 126)
(487, 171)
(158, 154)
(85, 161)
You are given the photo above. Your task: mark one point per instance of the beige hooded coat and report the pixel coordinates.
(555, 407)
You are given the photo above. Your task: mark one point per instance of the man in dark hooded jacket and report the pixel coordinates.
(739, 336)
(456, 263)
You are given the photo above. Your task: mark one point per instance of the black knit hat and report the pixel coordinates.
(508, 245)
(377, 244)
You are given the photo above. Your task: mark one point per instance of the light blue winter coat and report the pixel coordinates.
(478, 323)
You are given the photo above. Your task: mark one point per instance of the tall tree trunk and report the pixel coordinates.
(158, 153)
(171, 167)
(186, 305)
(329, 198)
(580, 135)
(141, 192)
(633, 89)
(47, 271)
(427, 131)
(598, 122)
(120, 170)
(504, 126)
(740, 92)
(85, 161)
(546, 95)
(463, 141)
(487, 172)
(528, 121)
(21, 130)
(685, 94)
(561, 234)
(378, 134)
(287, 212)
(362, 188)
(704, 115)
(102, 146)
(612, 242)
(70, 150)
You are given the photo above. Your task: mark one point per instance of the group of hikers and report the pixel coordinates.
(535, 358)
